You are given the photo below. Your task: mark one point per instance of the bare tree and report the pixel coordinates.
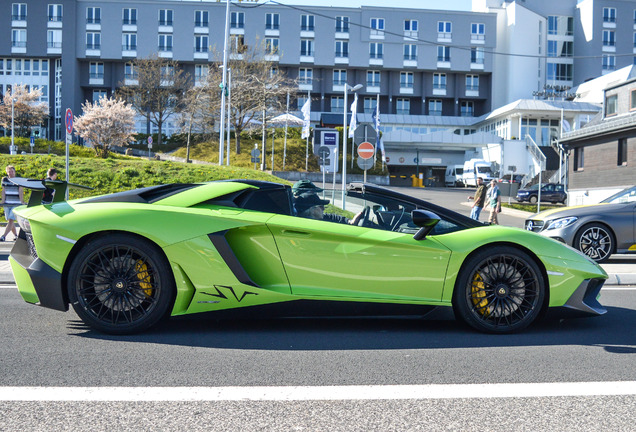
(159, 91)
(28, 111)
(257, 85)
(194, 114)
(105, 123)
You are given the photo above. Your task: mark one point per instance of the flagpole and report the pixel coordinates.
(307, 143)
(285, 143)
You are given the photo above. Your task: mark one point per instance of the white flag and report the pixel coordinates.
(354, 120)
(306, 110)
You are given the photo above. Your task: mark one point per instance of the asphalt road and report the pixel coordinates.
(196, 373)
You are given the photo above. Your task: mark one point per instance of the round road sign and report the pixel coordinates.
(69, 120)
(366, 150)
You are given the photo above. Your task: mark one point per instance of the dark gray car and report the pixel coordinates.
(597, 230)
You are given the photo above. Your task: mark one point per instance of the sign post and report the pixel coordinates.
(69, 139)
(256, 155)
(149, 145)
(366, 151)
(32, 143)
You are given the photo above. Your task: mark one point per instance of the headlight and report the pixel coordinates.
(24, 224)
(561, 223)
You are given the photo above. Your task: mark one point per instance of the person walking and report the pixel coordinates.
(493, 198)
(480, 198)
(12, 196)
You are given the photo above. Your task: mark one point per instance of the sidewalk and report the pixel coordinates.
(619, 274)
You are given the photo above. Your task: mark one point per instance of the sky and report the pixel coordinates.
(464, 5)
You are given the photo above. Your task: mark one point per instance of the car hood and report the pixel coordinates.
(582, 210)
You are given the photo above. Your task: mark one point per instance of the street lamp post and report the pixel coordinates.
(224, 79)
(12, 149)
(347, 88)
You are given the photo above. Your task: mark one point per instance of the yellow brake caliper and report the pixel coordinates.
(478, 290)
(142, 275)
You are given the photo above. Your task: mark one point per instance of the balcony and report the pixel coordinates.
(129, 50)
(54, 21)
(18, 47)
(96, 78)
(54, 47)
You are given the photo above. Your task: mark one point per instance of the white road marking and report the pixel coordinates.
(325, 393)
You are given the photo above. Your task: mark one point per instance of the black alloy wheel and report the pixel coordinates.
(120, 284)
(499, 290)
(596, 241)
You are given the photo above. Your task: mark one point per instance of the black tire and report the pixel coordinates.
(120, 284)
(499, 290)
(596, 241)
(532, 199)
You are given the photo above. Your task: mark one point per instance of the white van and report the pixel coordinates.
(476, 168)
(454, 176)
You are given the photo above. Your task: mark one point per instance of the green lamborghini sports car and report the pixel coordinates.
(125, 261)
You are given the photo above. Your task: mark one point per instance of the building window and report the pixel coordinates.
(609, 14)
(306, 23)
(165, 42)
(467, 109)
(435, 107)
(444, 29)
(200, 73)
(403, 106)
(307, 47)
(559, 48)
(129, 41)
(93, 40)
(53, 39)
(559, 72)
(609, 62)
(165, 17)
(622, 152)
(579, 159)
(200, 44)
(96, 70)
(472, 82)
(337, 104)
(272, 21)
(237, 20)
(18, 38)
(377, 26)
(130, 72)
(477, 31)
(632, 100)
(19, 12)
(237, 44)
(609, 38)
(369, 104)
(477, 55)
(439, 81)
(201, 18)
(373, 78)
(560, 25)
(271, 46)
(129, 16)
(339, 77)
(406, 80)
(55, 13)
(443, 54)
(342, 49)
(410, 52)
(376, 50)
(305, 75)
(410, 25)
(342, 24)
(93, 15)
(98, 94)
(611, 105)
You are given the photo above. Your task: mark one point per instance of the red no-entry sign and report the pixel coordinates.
(366, 150)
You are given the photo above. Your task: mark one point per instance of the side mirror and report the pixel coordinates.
(426, 220)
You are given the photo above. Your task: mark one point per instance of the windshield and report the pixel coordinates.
(483, 170)
(624, 196)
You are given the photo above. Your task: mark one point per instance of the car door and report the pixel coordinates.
(365, 262)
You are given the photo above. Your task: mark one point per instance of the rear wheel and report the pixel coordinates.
(499, 290)
(120, 284)
(596, 241)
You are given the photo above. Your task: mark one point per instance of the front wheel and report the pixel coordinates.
(532, 199)
(596, 241)
(499, 290)
(120, 284)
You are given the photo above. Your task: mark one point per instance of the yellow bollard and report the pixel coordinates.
(414, 181)
(421, 180)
